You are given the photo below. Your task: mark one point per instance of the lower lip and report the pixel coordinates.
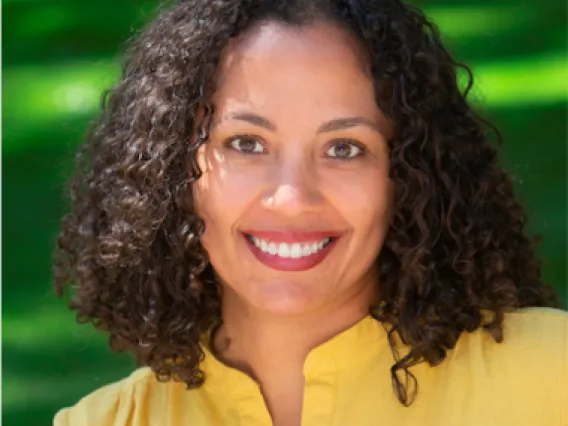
(288, 263)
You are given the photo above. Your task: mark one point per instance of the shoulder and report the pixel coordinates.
(528, 320)
(534, 350)
(536, 332)
(524, 377)
(111, 404)
(536, 340)
(529, 334)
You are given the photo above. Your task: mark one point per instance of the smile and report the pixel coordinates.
(290, 251)
(287, 250)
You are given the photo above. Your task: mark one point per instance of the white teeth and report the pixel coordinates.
(294, 250)
(272, 249)
(283, 250)
(263, 244)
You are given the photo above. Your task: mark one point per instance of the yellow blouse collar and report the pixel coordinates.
(352, 347)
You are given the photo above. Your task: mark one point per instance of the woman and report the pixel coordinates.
(289, 213)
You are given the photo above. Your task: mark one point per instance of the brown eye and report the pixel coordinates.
(246, 145)
(344, 150)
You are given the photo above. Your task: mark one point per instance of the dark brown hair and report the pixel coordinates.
(456, 247)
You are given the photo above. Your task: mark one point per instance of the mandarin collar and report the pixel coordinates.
(349, 349)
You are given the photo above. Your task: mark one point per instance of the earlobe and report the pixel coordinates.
(202, 161)
(203, 112)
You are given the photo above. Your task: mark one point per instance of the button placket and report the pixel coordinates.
(253, 410)
(319, 392)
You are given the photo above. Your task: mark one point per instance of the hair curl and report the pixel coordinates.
(456, 246)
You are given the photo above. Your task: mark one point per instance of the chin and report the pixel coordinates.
(285, 299)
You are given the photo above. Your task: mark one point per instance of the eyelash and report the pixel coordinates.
(229, 144)
(350, 142)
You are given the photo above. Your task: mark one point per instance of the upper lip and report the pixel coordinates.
(292, 236)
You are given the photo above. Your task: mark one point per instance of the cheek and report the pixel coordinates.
(221, 195)
(365, 201)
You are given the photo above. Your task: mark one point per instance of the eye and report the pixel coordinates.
(344, 150)
(246, 145)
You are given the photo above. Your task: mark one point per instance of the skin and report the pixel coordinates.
(281, 85)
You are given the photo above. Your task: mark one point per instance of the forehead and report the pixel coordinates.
(275, 67)
(321, 40)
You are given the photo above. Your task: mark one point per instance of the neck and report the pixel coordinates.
(265, 346)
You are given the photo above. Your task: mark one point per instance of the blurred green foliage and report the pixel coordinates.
(59, 55)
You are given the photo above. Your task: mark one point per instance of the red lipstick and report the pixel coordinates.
(301, 263)
(292, 236)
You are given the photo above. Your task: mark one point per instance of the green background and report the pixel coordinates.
(59, 55)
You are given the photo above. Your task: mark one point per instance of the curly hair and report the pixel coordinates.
(456, 248)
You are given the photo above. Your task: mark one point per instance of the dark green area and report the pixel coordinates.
(57, 56)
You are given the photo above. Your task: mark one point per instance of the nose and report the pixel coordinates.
(294, 189)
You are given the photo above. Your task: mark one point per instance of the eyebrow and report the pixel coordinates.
(346, 123)
(328, 126)
(255, 120)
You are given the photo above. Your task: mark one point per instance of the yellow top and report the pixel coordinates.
(520, 382)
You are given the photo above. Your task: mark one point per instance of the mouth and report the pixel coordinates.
(290, 251)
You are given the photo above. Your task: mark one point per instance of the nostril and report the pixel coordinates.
(297, 197)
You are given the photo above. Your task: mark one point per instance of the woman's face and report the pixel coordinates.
(295, 194)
